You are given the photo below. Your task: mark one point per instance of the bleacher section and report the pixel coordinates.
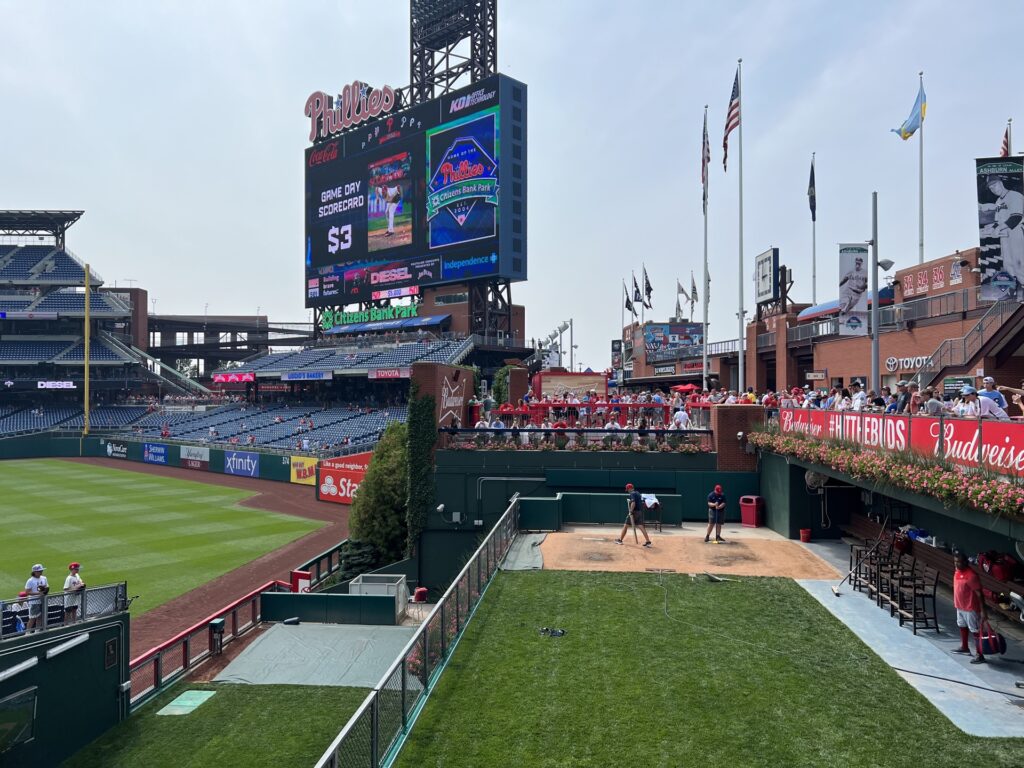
(352, 358)
(72, 301)
(14, 303)
(62, 352)
(27, 421)
(39, 264)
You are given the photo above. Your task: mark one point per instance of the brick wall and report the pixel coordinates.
(726, 422)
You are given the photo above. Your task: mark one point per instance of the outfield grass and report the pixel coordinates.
(242, 725)
(744, 674)
(162, 535)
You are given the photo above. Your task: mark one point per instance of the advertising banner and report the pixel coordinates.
(340, 478)
(853, 289)
(1000, 183)
(303, 470)
(116, 450)
(230, 378)
(997, 446)
(243, 463)
(154, 453)
(389, 373)
(195, 457)
(307, 376)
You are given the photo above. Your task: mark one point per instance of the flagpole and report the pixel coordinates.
(704, 336)
(622, 340)
(742, 363)
(814, 247)
(643, 295)
(1009, 137)
(920, 181)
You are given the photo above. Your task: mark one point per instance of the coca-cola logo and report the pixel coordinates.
(325, 154)
(356, 104)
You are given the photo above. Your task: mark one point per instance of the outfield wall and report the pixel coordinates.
(239, 462)
(77, 692)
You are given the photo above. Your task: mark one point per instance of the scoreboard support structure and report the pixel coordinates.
(437, 28)
(490, 307)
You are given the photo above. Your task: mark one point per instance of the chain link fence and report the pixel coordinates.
(38, 613)
(379, 726)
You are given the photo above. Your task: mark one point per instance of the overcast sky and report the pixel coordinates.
(178, 127)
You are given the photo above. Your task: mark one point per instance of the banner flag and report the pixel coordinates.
(1000, 182)
(853, 289)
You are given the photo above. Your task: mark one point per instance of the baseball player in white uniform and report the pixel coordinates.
(392, 196)
(1008, 211)
(852, 287)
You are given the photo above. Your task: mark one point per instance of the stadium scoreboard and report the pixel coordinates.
(432, 194)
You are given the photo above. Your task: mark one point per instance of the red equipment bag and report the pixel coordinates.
(990, 642)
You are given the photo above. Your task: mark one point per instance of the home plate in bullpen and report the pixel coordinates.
(746, 552)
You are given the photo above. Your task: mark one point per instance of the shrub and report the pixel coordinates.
(379, 509)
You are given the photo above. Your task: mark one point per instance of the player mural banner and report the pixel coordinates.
(195, 457)
(1001, 227)
(303, 470)
(970, 443)
(664, 336)
(340, 478)
(853, 289)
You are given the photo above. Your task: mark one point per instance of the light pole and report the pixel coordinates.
(562, 328)
(572, 346)
(886, 264)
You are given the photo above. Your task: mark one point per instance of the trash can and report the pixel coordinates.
(752, 511)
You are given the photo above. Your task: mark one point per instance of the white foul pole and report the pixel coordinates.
(740, 386)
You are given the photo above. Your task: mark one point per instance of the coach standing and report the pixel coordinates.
(635, 506)
(716, 515)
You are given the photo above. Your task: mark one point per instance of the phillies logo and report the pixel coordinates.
(464, 171)
(356, 104)
(324, 155)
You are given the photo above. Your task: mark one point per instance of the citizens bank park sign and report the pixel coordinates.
(997, 446)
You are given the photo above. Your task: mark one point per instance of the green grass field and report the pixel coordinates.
(240, 727)
(164, 536)
(743, 674)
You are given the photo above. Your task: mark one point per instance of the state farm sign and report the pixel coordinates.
(340, 478)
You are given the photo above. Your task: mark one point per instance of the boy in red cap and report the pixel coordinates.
(635, 502)
(716, 515)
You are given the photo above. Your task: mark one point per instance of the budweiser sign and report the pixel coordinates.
(226, 378)
(997, 446)
(356, 104)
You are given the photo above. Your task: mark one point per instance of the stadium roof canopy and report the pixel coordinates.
(30, 222)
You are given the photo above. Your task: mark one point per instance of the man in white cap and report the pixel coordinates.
(981, 407)
(989, 390)
(37, 587)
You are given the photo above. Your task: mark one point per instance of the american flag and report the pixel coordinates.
(732, 119)
(1005, 150)
(705, 161)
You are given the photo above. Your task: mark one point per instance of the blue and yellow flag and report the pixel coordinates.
(912, 123)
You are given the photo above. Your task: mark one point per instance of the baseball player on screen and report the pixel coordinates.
(852, 286)
(392, 196)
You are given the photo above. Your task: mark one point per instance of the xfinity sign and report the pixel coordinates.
(243, 463)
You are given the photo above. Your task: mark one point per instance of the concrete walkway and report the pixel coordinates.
(976, 712)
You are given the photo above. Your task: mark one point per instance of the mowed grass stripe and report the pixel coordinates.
(751, 673)
(164, 536)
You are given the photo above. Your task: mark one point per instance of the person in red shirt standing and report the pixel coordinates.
(969, 604)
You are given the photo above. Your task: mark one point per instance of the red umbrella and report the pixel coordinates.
(685, 388)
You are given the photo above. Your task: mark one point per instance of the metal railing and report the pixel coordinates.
(575, 439)
(765, 340)
(813, 330)
(324, 564)
(377, 730)
(40, 613)
(680, 353)
(960, 351)
(158, 667)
